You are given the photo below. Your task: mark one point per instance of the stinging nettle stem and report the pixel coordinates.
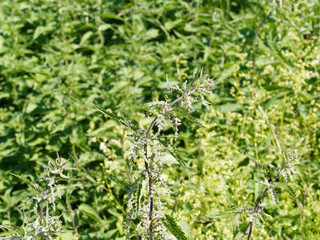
(42, 205)
(151, 199)
(258, 202)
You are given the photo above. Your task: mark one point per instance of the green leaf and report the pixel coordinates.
(247, 33)
(85, 37)
(131, 124)
(275, 100)
(168, 159)
(243, 209)
(121, 183)
(138, 195)
(13, 228)
(303, 110)
(30, 107)
(172, 150)
(90, 212)
(31, 184)
(264, 169)
(190, 28)
(229, 107)
(273, 50)
(171, 24)
(104, 27)
(66, 236)
(228, 72)
(184, 113)
(114, 212)
(173, 227)
(111, 16)
(286, 187)
(111, 234)
(101, 131)
(152, 33)
(43, 30)
(186, 229)
(264, 61)
(241, 229)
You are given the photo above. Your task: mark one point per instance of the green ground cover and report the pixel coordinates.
(60, 58)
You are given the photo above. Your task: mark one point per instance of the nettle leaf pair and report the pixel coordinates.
(144, 194)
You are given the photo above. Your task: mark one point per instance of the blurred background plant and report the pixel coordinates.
(38, 223)
(58, 58)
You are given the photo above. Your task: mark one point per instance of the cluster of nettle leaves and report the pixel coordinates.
(59, 58)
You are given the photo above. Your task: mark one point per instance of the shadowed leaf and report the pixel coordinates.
(173, 227)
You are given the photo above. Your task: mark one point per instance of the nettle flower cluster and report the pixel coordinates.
(187, 96)
(38, 223)
(144, 200)
(286, 169)
(256, 217)
(53, 170)
(253, 216)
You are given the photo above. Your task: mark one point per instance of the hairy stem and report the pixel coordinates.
(42, 205)
(150, 180)
(258, 202)
(73, 222)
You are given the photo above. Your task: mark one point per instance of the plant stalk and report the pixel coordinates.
(151, 199)
(258, 202)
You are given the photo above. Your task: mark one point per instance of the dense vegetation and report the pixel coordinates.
(59, 59)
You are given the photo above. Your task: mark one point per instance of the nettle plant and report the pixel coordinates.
(273, 178)
(38, 223)
(151, 147)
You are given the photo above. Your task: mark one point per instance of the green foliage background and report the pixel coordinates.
(58, 58)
